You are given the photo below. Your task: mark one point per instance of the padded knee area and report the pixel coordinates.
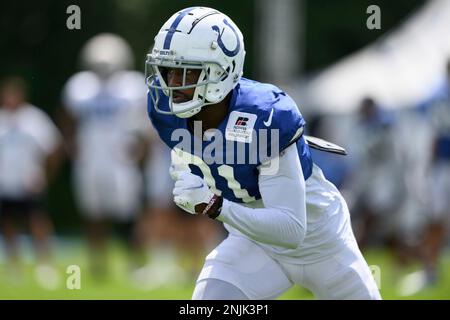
(214, 289)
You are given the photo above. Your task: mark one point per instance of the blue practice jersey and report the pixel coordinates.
(261, 122)
(438, 108)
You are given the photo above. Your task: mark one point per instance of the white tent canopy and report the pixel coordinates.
(400, 69)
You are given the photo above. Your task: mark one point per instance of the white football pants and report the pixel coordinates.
(250, 270)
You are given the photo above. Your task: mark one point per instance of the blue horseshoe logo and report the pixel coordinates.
(229, 53)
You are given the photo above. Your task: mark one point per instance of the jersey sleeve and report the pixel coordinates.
(282, 221)
(279, 125)
(44, 131)
(78, 91)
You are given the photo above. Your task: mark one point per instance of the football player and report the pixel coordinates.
(243, 160)
(376, 183)
(30, 154)
(439, 181)
(103, 105)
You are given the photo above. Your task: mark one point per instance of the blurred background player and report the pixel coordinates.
(439, 181)
(422, 221)
(376, 182)
(30, 153)
(105, 106)
(176, 242)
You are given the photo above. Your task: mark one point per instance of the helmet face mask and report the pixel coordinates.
(195, 43)
(156, 78)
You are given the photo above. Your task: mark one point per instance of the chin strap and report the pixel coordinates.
(188, 114)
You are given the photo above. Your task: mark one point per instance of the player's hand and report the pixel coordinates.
(193, 195)
(178, 165)
(175, 171)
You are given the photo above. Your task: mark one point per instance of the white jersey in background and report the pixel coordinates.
(27, 137)
(109, 114)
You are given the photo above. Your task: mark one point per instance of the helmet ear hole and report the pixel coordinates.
(234, 65)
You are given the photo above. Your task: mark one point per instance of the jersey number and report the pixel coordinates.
(182, 158)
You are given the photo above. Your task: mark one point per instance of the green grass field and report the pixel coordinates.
(22, 284)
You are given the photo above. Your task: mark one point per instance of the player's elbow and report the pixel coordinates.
(299, 237)
(294, 235)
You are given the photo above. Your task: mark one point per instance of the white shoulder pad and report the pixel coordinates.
(129, 86)
(79, 89)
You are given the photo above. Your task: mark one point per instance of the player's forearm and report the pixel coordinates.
(283, 220)
(265, 225)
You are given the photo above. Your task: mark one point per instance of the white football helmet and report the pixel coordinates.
(105, 54)
(196, 38)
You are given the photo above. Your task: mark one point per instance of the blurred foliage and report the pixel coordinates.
(35, 43)
(335, 29)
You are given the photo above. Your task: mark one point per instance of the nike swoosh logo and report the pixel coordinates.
(197, 187)
(269, 121)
